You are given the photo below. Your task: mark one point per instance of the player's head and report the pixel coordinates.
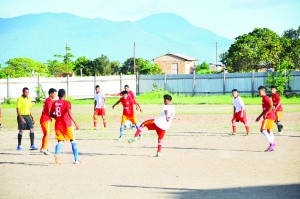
(25, 92)
(273, 89)
(61, 93)
(52, 93)
(234, 92)
(167, 99)
(126, 88)
(97, 89)
(262, 91)
(124, 94)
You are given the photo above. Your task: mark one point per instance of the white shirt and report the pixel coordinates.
(161, 121)
(99, 98)
(238, 103)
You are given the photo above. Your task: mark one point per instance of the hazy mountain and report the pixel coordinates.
(40, 36)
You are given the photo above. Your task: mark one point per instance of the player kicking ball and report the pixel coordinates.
(128, 111)
(63, 125)
(160, 124)
(239, 113)
(268, 118)
(46, 121)
(99, 107)
(277, 108)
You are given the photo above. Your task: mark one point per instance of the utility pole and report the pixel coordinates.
(67, 54)
(216, 54)
(134, 67)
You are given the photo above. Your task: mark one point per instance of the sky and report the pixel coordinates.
(228, 18)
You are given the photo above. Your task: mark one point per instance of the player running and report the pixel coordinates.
(46, 121)
(239, 113)
(25, 119)
(160, 124)
(63, 125)
(268, 118)
(277, 108)
(99, 107)
(128, 111)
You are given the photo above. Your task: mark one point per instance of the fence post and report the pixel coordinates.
(95, 82)
(194, 82)
(120, 82)
(137, 78)
(68, 85)
(165, 82)
(224, 79)
(8, 87)
(252, 84)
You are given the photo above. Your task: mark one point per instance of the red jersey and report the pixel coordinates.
(129, 93)
(61, 108)
(45, 117)
(128, 106)
(266, 104)
(276, 100)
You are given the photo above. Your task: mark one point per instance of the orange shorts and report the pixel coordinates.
(65, 134)
(47, 127)
(152, 126)
(267, 124)
(100, 112)
(278, 115)
(130, 118)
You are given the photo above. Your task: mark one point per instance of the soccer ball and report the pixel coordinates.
(127, 124)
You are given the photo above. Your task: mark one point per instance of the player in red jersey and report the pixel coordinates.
(128, 111)
(63, 125)
(277, 108)
(268, 118)
(46, 121)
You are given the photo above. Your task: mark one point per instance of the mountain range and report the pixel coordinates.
(40, 36)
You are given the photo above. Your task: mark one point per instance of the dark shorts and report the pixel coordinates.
(27, 125)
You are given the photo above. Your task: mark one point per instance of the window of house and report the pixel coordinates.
(174, 69)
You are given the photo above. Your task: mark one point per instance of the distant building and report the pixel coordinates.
(215, 67)
(172, 63)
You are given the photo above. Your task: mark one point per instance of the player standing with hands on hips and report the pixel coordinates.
(268, 118)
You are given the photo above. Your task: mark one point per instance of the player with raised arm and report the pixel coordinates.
(160, 124)
(268, 118)
(25, 119)
(99, 107)
(239, 113)
(277, 108)
(128, 111)
(46, 121)
(63, 125)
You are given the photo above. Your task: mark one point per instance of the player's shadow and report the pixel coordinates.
(255, 192)
(107, 154)
(25, 163)
(205, 133)
(21, 153)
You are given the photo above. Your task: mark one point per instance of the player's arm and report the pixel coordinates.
(270, 109)
(118, 102)
(95, 103)
(104, 102)
(72, 118)
(138, 107)
(234, 110)
(113, 95)
(20, 116)
(279, 103)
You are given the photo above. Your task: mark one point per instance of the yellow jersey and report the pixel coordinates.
(24, 105)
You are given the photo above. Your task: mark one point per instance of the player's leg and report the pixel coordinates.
(124, 118)
(161, 134)
(134, 122)
(95, 118)
(69, 135)
(265, 130)
(244, 121)
(21, 127)
(150, 126)
(103, 114)
(60, 139)
(233, 124)
(47, 131)
(31, 133)
(277, 121)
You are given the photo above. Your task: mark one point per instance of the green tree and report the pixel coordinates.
(102, 66)
(24, 67)
(115, 66)
(144, 67)
(66, 64)
(85, 64)
(203, 68)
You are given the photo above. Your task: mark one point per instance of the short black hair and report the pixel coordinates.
(126, 86)
(274, 87)
(262, 88)
(124, 92)
(97, 86)
(168, 97)
(61, 93)
(234, 90)
(52, 90)
(25, 89)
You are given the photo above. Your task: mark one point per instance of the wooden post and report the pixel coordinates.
(165, 82)
(252, 84)
(121, 82)
(68, 85)
(224, 81)
(194, 82)
(7, 94)
(137, 79)
(95, 82)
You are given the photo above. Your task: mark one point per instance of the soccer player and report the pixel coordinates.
(268, 118)
(63, 125)
(46, 121)
(277, 108)
(99, 107)
(128, 111)
(25, 119)
(160, 124)
(239, 113)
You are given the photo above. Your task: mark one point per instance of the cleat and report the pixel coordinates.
(140, 137)
(120, 138)
(281, 130)
(20, 148)
(57, 160)
(158, 154)
(94, 128)
(132, 139)
(232, 134)
(42, 151)
(1, 126)
(271, 148)
(32, 147)
(77, 162)
(47, 152)
(248, 134)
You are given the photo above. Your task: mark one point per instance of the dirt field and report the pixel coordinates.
(199, 159)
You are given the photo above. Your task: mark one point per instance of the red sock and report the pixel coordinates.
(137, 133)
(234, 127)
(43, 142)
(247, 129)
(104, 123)
(95, 121)
(159, 146)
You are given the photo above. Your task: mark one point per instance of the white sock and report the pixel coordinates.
(272, 137)
(267, 135)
